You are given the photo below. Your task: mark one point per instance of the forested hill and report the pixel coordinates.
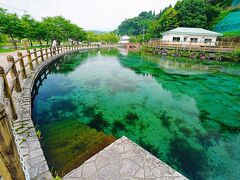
(135, 25)
(186, 13)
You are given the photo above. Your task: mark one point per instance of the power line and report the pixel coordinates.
(9, 7)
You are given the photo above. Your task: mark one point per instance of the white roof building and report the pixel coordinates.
(124, 39)
(197, 36)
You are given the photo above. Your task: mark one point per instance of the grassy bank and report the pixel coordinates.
(221, 57)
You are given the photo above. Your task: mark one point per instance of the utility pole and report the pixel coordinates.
(143, 30)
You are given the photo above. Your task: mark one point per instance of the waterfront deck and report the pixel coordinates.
(222, 47)
(124, 159)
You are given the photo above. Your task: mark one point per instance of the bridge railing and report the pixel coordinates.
(197, 46)
(20, 68)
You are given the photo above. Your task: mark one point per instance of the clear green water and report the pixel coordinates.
(185, 112)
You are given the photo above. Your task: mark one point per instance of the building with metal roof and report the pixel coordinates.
(194, 36)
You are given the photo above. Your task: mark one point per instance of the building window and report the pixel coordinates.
(194, 40)
(207, 40)
(176, 39)
(185, 39)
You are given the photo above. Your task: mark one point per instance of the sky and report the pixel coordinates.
(103, 15)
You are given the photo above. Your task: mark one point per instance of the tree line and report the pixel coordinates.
(185, 13)
(48, 29)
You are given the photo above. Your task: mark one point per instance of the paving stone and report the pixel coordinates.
(77, 173)
(43, 167)
(124, 160)
(33, 172)
(88, 169)
(34, 161)
(118, 148)
(109, 171)
(129, 146)
(148, 173)
(24, 151)
(140, 173)
(116, 159)
(45, 176)
(101, 162)
(129, 167)
(35, 153)
(34, 145)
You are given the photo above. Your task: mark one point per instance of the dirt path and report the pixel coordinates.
(3, 57)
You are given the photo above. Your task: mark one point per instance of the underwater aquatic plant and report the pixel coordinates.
(38, 134)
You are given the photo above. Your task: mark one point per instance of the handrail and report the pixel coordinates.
(8, 68)
(200, 46)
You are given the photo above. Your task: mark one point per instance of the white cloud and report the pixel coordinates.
(89, 14)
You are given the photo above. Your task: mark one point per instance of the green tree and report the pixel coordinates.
(108, 38)
(11, 25)
(220, 3)
(3, 39)
(104, 38)
(76, 33)
(62, 29)
(168, 20)
(40, 33)
(212, 13)
(192, 13)
(92, 37)
(29, 26)
(136, 39)
(135, 26)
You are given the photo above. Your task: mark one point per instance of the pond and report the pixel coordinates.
(185, 112)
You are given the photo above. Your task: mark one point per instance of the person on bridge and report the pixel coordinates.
(54, 45)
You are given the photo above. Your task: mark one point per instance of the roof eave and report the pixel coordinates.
(200, 34)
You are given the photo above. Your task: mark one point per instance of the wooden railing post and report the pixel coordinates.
(204, 50)
(51, 53)
(220, 48)
(14, 73)
(231, 45)
(21, 62)
(190, 47)
(61, 49)
(8, 150)
(41, 53)
(57, 49)
(7, 92)
(30, 60)
(35, 56)
(46, 51)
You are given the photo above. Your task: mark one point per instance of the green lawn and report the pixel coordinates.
(12, 50)
(6, 50)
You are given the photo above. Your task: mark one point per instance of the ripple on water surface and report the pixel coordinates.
(187, 113)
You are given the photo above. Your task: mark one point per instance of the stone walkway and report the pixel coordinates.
(124, 160)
